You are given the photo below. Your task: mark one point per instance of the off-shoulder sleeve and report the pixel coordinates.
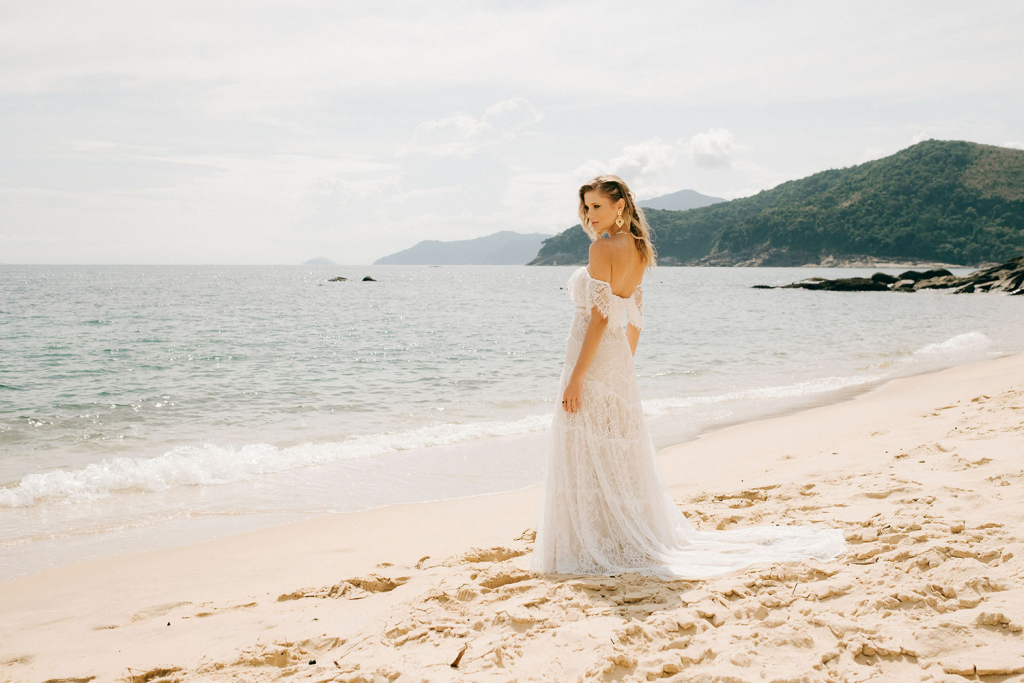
(589, 293)
(635, 308)
(599, 296)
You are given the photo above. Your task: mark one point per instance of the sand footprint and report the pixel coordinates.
(351, 589)
(480, 555)
(281, 654)
(500, 575)
(158, 675)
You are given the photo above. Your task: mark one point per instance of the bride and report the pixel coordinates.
(606, 508)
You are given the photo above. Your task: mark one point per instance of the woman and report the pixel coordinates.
(606, 508)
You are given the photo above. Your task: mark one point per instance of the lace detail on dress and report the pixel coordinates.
(606, 508)
(635, 308)
(590, 293)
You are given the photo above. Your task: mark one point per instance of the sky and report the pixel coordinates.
(271, 133)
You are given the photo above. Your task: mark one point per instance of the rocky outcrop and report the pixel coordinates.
(844, 284)
(926, 275)
(1007, 278)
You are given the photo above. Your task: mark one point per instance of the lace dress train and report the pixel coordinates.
(606, 508)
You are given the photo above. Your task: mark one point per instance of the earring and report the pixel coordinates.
(619, 221)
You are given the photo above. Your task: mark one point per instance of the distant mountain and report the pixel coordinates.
(505, 248)
(936, 201)
(680, 201)
(319, 261)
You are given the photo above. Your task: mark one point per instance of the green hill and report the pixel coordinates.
(953, 202)
(500, 249)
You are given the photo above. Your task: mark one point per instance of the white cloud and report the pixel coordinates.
(920, 137)
(642, 166)
(713, 149)
(644, 160)
(461, 134)
(510, 117)
(458, 134)
(1014, 145)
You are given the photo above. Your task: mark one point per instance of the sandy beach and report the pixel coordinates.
(923, 475)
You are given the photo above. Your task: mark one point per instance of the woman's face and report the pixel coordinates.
(601, 211)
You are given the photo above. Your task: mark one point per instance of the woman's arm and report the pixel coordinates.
(600, 268)
(571, 396)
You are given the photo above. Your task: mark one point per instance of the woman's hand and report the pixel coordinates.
(571, 396)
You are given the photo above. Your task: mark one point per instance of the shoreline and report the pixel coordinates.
(249, 445)
(790, 406)
(877, 465)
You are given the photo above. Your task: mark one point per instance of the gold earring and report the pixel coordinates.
(619, 221)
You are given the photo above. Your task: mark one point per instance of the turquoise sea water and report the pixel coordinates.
(149, 406)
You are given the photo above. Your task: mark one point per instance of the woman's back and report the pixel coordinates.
(617, 261)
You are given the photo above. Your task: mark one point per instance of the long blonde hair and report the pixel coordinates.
(615, 188)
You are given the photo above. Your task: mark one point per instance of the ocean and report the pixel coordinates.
(149, 406)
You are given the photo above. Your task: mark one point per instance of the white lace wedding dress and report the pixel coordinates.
(606, 508)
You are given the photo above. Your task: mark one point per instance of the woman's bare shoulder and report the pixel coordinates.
(610, 254)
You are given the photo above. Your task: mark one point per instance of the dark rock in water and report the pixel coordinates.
(917, 276)
(754, 287)
(1008, 278)
(855, 284)
(368, 279)
(845, 284)
(937, 272)
(338, 279)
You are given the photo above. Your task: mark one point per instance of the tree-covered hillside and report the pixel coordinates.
(955, 202)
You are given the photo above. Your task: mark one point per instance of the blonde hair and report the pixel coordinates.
(615, 188)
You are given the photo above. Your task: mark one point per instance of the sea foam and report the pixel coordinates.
(209, 464)
(658, 406)
(961, 342)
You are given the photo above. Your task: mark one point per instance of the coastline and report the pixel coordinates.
(853, 464)
(183, 532)
(197, 458)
